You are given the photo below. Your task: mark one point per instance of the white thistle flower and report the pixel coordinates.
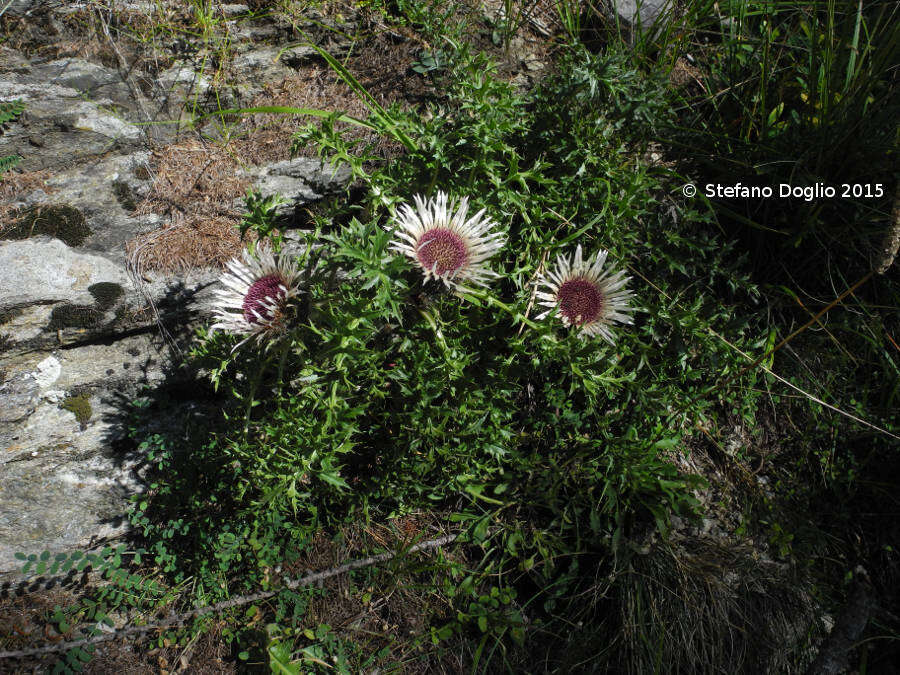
(444, 243)
(586, 296)
(257, 296)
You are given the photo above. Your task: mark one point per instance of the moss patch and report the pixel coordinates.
(74, 316)
(106, 293)
(7, 315)
(59, 220)
(124, 195)
(128, 314)
(80, 406)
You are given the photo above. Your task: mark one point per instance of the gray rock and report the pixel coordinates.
(28, 326)
(53, 293)
(181, 81)
(73, 322)
(299, 181)
(106, 192)
(60, 499)
(65, 483)
(257, 66)
(91, 81)
(59, 128)
(13, 61)
(19, 398)
(142, 6)
(234, 9)
(260, 65)
(641, 12)
(256, 31)
(41, 270)
(71, 298)
(47, 372)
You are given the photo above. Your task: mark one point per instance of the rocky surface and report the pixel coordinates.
(642, 13)
(298, 181)
(81, 335)
(59, 127)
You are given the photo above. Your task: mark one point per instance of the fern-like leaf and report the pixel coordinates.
(8, 162)
(10, 110)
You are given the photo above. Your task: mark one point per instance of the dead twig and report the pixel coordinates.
(178, 619)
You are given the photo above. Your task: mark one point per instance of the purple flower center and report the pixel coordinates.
(580, 301)
(265, 288)
(441, 250)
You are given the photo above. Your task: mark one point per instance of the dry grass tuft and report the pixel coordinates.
(207, 654)
(386, 605)
(14, 185)
(186, 245)
(686, 75)
(691, 604)
(268, 137)
(195, 186)
(23, 618)
(50, 36)
(24, 624)
(380, 65)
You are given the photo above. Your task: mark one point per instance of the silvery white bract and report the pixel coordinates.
(257, 295)
(586, 296)
(445, 244)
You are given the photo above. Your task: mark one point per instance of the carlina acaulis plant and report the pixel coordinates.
(446, 244)
(258, 298)
(586, 296)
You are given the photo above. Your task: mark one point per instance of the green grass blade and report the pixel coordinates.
(854, 50)
(288, 110)
(389, 124)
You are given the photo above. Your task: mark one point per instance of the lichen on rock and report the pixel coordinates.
(80, 406)
(106, 294)
(61, 221)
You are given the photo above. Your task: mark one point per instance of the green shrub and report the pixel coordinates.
(390, 395)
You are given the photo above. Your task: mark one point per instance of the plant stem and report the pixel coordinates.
(491, 300)
(283, 359)
(254, 385)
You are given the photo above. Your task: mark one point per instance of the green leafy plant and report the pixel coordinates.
(261, 216)
(391, 395)
(9, 111)
(562, 459)
(118, 588)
